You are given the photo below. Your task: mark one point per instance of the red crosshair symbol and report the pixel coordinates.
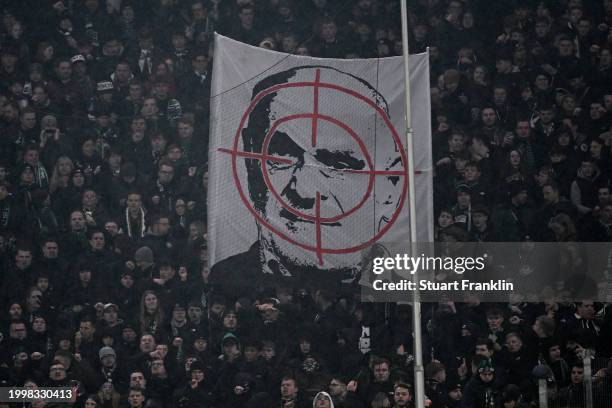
(315, 116)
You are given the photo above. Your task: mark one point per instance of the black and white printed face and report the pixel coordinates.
(318, 187)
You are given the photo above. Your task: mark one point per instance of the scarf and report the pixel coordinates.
(141, 223)
(5, 213)
(41, 177)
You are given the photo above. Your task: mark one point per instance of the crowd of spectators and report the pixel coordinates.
(104, 281)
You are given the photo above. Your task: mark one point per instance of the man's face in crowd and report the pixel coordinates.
(97, 241)
(577, 375)
(34, 299)
(149, 108)
(64, 70)
(77, 221)
(584, 27)
(122, 73)
(596, 111)
(554, 353)
(167, 272)
(111, 228)
(247, 15)
(165, 174)
(85, 276)
(42, 283)
(603, 194)
(550, 195)
(456, 143)
(158, 368)
(495, 321)
(328, 31)
(486, 376)
(463, 199)
(587, 169)
(147, 343)
(90, 199)
(87, 330)
(158, 143)
(480, 220)
(455, 394)
(547, 116)
(336, 388)
(200, 345)
(288, 388)
(499, 96)
(199, 63)
(39, 325)
(137, 380)
(489, 118)
(194, 313)
(28, 120)
(135, 398)
(217, 309)
(522, 130)
(230, 321)
(134, 201)
(251, 354)
(162, 227)
(108, 361)
(381, 372)
(127, 281)
(197, 375)
(483, 350)
(160, 90)
(322, 401)
(586, 310)
(31, 157)
(139, 126)
(514, 344)
(135, 92)
(402, 397)
(566, 48)
(471, 173)
(128, 334)
(185, 130)
(541, 29)
(57, 372)
(503, 66)
(198, 11)
(110, 315)
(231, 349)
(23, 259)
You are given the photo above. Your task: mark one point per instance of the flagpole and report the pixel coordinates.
(419, 380)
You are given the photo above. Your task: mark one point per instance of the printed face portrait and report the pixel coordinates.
(315, 190)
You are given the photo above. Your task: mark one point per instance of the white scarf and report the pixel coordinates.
(129, 224)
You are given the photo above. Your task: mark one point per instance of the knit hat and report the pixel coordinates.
(143, 254)
(230, 338)
(196, 366)
(486, 365)
(107, 351)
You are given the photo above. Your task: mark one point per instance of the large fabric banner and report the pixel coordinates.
(307, 161)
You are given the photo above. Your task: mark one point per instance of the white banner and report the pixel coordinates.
(306, 164)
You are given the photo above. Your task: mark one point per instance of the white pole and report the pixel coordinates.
(419, 380)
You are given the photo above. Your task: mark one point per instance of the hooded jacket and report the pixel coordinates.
(322, 394)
